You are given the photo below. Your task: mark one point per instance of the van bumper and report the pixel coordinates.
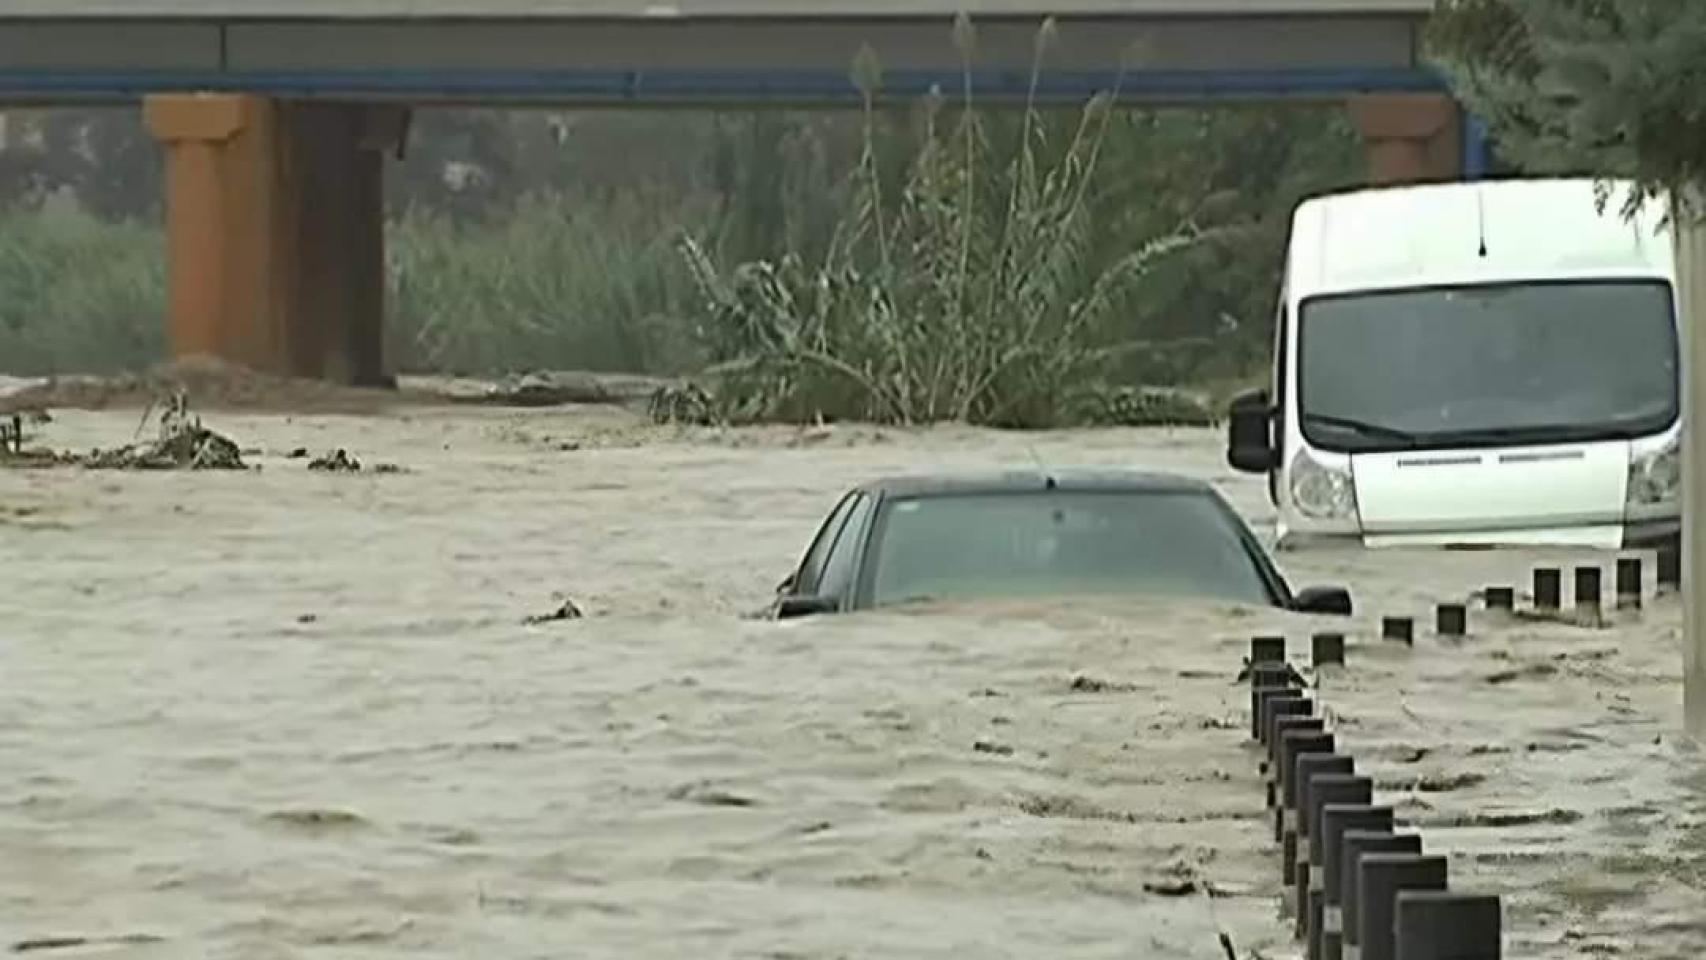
(1663, 535)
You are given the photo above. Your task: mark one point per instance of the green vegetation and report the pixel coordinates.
(907, 264)
(78, 294)
(563, 282)
(1606, 87)
(968, 291)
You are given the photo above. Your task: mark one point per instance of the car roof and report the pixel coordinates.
(1101, 480)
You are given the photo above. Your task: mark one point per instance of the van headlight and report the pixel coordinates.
(1655, 476)
(1322, 491)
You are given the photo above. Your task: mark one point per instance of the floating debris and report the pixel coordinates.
(544, 388)
(1180, 878)
(50, 943)
(707, 795)
(686, 403)
(1588, 619)
(1180, 887)
(1432, 783)
(182, 443)
(1533, 671)
(565, 611)
(1503, 819)
(1086, 684)
(338, 461)
(1144, 407)
(317, 818)
(1062, 807)
(40, 944)
(12, 435)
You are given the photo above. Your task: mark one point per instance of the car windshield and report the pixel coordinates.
(999, 545)
(1511, 363)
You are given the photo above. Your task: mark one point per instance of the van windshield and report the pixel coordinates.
(1488, 365)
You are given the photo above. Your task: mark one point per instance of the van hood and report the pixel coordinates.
(1565, 493)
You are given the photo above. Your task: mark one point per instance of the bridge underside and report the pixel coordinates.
(276, 129)
(737, 60)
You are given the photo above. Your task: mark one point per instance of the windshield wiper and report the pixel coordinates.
(1643, 421)
(1541, 433)
(1363, 428)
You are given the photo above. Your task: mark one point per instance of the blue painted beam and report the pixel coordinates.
(830, 86)
(1477, 148)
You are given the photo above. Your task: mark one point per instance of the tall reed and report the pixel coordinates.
(79, 294)
(969, 293)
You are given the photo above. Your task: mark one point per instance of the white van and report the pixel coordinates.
(1492, 363)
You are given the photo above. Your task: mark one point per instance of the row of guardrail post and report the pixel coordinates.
(1360, 889)
(1451, 620)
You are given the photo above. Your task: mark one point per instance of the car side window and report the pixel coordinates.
(811, 567)
(837, 578)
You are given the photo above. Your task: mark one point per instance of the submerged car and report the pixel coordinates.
(1037, 534)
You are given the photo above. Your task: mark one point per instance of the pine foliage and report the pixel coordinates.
(1613, 88)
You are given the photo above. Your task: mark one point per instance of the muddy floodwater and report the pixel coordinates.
(288, 713)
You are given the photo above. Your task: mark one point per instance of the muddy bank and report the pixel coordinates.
(286, 712)
(216, 385)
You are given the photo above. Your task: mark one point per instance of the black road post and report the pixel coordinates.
(1338, 819)
(1352, 845)
(1308, 767)
(1451, 620)
(1440, 925)
(1318, 792)
(1277, 729)
(1327, 649)
(1267, 650)
(1292, 743)
(1629, 583)
(1548, 589)
(1380, 878)
(1589, 591)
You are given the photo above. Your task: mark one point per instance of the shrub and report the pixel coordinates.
(969, 293)
(559, 282)
(78, 294)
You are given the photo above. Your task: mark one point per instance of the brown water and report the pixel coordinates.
(285, 714)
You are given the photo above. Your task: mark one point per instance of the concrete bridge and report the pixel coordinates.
(276, 115)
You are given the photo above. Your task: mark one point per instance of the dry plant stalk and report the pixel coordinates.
(968, 295)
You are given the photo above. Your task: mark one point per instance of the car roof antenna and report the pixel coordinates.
(1481, 217)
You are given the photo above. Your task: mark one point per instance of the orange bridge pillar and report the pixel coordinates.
(275, 224)
(1411, 138)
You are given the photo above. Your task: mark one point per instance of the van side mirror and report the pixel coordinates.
(1331, 601)
(1249, 433)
